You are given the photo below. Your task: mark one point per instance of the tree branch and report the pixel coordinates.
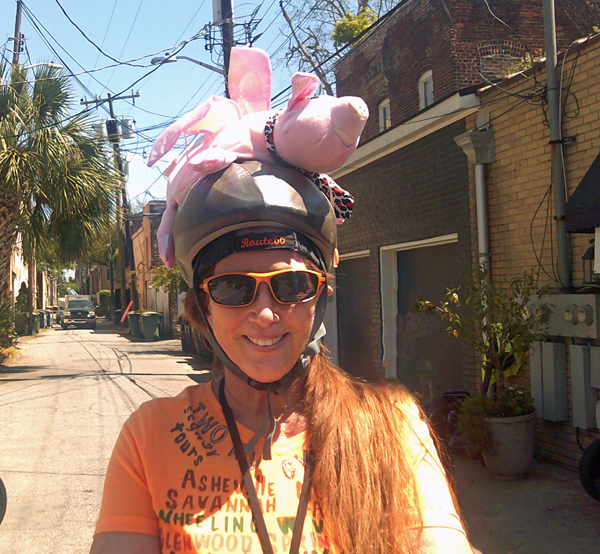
(307, 57)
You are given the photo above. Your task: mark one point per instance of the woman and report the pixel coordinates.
(285, 452)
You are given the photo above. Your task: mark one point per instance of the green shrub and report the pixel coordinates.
(21, 322)
(104, 299)
(7, 329)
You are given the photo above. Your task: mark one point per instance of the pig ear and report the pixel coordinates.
(208, 118)
(303, 85)
(250, 79)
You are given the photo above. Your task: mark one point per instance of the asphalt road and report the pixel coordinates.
(65, 398)
(62, 404)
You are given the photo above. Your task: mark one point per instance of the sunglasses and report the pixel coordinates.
(288, 286)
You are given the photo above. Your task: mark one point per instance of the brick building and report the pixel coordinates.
(412, 233)
(522, 236)
(144, 227)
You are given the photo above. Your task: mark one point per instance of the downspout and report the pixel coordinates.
(479, 147)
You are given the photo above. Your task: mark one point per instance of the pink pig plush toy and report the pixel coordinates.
(314, 135)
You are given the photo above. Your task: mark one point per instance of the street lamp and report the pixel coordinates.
(47, 64)
(172, 59)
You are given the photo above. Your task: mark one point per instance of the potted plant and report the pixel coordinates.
(499, 421)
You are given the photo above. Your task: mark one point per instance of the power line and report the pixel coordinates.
(91, 41)
(127, 39)
(33, 21)
(106, 33)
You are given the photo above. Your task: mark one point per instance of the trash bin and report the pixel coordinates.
(50, 319)
(134, 324)
(36, 324)
(150, 323)
(42, 319)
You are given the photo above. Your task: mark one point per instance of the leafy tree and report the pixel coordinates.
(317, 29)
(172, 282)
(59, 184)
(62, 288)
(170, 279)
(21, 300)
(350, 26)
(7, 328)
(495, 321)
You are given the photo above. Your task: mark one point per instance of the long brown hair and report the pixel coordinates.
(364, 471)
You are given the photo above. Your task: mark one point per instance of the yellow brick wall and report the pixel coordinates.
(521, 202)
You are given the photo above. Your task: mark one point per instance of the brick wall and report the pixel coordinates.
(521, 206)
(415, 193)
(458, 40)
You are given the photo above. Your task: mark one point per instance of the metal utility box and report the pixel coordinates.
(548, 364)
(573, 315)
(127, 127)
(583, 394)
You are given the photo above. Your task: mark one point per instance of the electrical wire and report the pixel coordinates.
(539, 257)
(91, 41)
(502, 22)
(127, 39)
(530, 96)
(183, 32)
(112, 13)
(34, 21)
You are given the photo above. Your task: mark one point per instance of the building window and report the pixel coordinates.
(425, 90)
(385, 116)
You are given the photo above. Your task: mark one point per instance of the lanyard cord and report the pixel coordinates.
(259, 520)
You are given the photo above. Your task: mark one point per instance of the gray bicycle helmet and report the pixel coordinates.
(243, 200)
(252, 194)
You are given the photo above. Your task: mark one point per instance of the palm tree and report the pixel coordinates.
(57, 183)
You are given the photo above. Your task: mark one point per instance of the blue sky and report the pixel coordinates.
(130, 29)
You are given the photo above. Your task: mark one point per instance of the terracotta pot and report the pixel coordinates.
(513, 441)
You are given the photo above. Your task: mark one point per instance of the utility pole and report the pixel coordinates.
(227, 32)
(124, 229)
(556, 147)
(112, 282)
(17, 37)
(31, 265)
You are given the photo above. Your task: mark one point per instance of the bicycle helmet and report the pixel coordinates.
(251, 199)
(252, 194)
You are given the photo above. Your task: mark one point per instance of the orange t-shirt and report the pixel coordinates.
(173, 474)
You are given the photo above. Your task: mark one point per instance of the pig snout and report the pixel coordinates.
(348, 119)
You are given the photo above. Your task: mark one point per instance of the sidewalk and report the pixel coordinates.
(548, 512)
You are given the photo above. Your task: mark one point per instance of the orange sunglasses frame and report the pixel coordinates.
(266, 278)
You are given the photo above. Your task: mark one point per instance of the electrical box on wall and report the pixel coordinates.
(584, 395)
(548, 363)
(572, 315)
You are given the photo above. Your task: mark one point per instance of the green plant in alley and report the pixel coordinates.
(170, 279)
(496, 323)
(58, 182)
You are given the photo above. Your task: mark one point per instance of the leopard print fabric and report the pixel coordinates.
(341, 200)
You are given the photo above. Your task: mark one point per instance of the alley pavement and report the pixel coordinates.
(547, 512)
(64, 399)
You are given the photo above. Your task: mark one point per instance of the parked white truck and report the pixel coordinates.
(79, 311)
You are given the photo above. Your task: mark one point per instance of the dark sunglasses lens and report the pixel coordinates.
(232, 290)
(294, 286)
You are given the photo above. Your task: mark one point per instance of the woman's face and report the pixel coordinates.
(266, 338)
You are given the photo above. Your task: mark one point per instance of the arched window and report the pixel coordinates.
(385, 116)
(426, 90)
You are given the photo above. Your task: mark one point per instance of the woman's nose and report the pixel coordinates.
(264, 309)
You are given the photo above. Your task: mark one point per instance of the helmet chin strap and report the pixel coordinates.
(267, 428)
